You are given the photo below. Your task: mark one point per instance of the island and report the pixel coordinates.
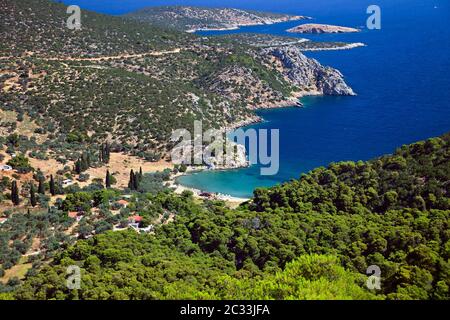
(192, 19)
(271, 41)
(321, 28)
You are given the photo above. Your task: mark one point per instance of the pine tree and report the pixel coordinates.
(33, 200)
(41, 186)
(15, 193)
(52, 186)
(108, 180)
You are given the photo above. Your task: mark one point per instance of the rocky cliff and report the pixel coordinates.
(306, 74)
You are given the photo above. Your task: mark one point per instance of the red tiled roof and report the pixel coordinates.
(135, 218)
(73, 214)
(123, 202)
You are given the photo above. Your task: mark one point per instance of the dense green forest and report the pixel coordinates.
(311, 238)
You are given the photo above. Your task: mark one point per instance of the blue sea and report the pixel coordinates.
(402, 79)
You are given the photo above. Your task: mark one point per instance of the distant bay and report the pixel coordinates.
(403, 96)
(402, 79)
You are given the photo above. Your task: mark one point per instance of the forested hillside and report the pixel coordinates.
(311, 238)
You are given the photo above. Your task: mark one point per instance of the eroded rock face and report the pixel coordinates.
(308, 74)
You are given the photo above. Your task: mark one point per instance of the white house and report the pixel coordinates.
(134, 221)
(149, 229)
(5, 167)
(67, 182)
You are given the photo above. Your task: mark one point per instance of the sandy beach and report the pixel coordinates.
(178, 188)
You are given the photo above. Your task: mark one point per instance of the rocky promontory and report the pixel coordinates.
(307, 75)
(321, 28)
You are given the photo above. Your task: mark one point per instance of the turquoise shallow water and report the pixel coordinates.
(402, 79)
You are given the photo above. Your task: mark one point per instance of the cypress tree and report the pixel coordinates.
(131, 182)
(78, 168)
(33, 200)
(41, 186)
(100, 154)
(136, 181)
(88, 160)
(84, 162)
(108, 180)
(15, 193)
(140, 174)
(52, 186)
(107, 152)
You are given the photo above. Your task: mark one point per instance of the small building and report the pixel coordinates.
(75, 215)
(5, 167)
(134, 221)
(3, 220)
(123, 203)
(67, 182)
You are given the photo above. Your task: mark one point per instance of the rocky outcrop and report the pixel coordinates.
(220, 154)
(307, 74)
